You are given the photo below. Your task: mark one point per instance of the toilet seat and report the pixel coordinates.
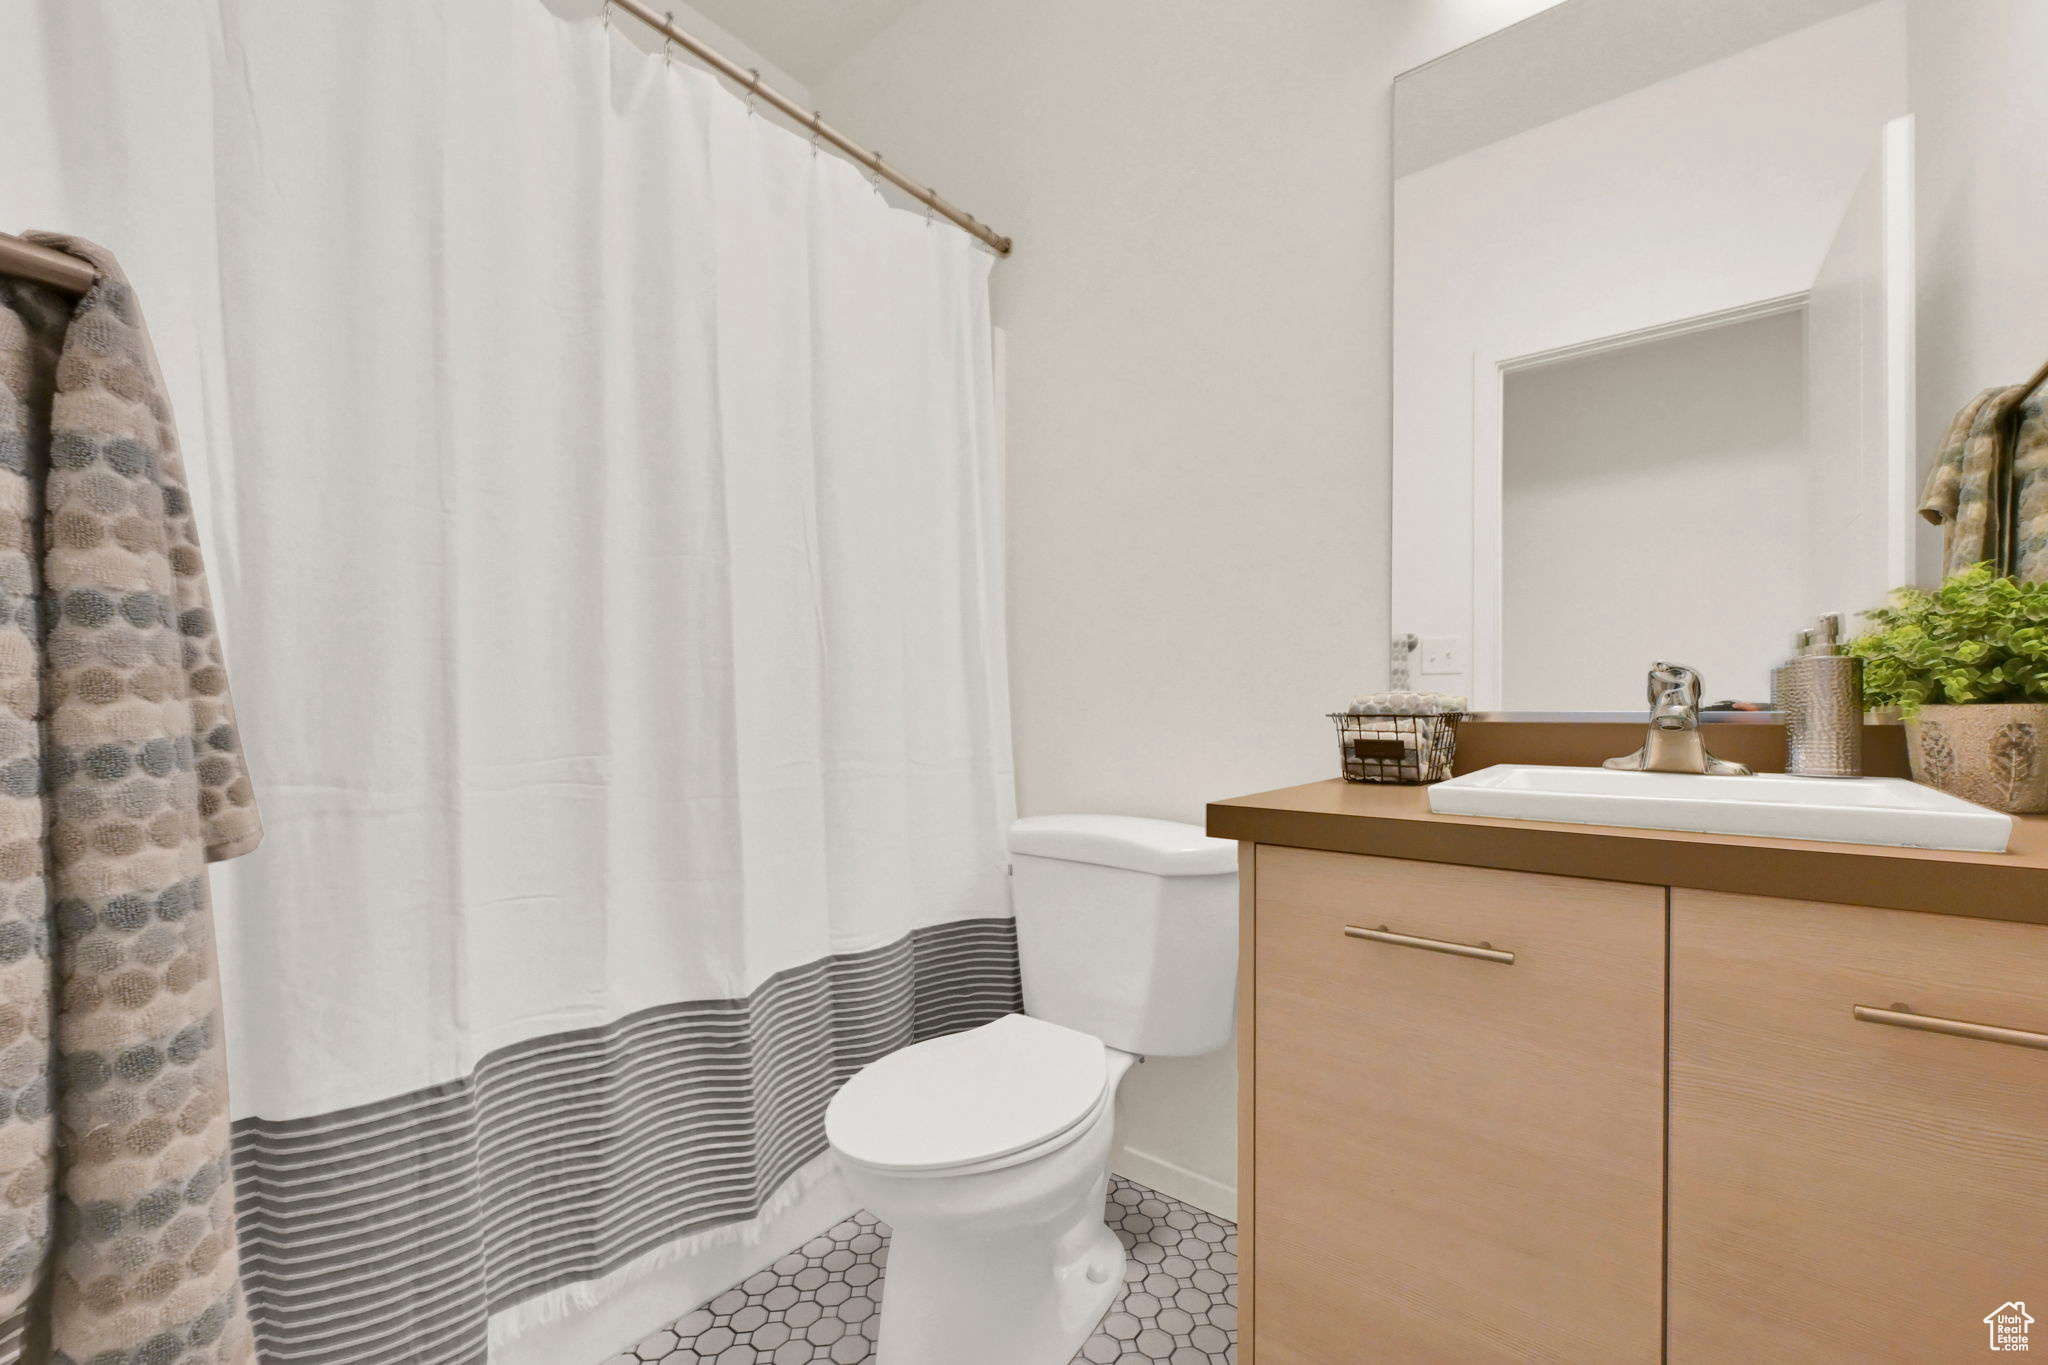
(990, 1096)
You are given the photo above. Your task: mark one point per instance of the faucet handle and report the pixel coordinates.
(1666, 678)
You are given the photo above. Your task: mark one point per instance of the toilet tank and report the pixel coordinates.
(1127, 929)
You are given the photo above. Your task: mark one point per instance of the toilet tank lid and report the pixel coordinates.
(1165, 848)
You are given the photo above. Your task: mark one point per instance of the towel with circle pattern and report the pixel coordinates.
(121, 777)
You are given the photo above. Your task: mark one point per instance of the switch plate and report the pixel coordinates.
(1443, 654)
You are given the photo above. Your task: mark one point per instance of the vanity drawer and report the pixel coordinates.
(1458, 1127)
(1849, 1189)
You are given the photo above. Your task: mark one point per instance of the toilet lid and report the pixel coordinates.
(968, 1097)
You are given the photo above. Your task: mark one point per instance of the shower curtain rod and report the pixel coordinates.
(750, 80)
(72, 275)
(28, 261)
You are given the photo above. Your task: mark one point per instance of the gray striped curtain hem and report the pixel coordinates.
(389, 1233)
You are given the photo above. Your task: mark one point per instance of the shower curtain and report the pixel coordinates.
(602, 496)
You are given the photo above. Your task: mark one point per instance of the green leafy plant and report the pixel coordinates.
(1976, 638)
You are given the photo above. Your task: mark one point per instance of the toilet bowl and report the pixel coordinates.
(987, 1154)
(987, 1151)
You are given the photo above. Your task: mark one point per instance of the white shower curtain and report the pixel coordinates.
(601, 486)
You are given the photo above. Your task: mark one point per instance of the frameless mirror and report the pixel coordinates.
(1652, 345)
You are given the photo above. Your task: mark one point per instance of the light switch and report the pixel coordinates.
(1443, 654)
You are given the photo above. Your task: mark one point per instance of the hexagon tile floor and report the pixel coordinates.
(819, 1305)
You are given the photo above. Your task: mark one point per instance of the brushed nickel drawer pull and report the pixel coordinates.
(1902, 1017)
(1485, 952)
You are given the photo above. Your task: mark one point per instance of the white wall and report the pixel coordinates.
(1863, 529)
(1656, 506)
(1197, 315)
(1980, 100)
(1708, 191)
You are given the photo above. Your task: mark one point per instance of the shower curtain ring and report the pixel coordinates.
(668, 39)
(817, 133)
(607, 16)
(753, 87)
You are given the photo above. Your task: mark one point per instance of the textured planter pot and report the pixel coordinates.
(1996, 756)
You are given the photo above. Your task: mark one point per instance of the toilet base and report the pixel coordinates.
(1005, 1301)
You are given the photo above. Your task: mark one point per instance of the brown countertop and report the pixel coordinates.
(1396, 822)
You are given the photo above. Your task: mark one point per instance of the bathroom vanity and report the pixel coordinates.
(1526, 1092)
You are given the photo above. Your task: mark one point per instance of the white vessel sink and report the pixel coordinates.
(1860, 810)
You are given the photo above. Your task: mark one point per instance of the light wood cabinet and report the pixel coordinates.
(1663, 1132)
(1457, 1158)
(1845, 1190)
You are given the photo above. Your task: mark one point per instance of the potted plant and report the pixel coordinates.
(1967, 667)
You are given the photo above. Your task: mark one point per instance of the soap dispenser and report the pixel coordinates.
(1819, 691)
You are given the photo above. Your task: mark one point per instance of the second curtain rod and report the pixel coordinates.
(751, 81)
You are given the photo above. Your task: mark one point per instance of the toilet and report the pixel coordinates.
(988, 1151)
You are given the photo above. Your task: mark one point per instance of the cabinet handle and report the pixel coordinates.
(1485, 952)
(1900, 1017)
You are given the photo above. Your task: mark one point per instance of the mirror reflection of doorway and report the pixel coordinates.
(1655, 497)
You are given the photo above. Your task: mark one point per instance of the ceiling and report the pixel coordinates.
(806, 38)
(1572, 56)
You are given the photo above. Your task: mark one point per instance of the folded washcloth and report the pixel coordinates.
(1407, 704)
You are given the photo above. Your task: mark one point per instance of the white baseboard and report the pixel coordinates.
(1177, 1182)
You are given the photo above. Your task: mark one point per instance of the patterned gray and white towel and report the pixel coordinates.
(1988, 489)
(121, 777)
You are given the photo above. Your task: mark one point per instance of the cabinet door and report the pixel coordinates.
(1457, 1159)
(1853, 1190)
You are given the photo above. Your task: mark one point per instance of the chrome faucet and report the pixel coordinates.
(1674, 744)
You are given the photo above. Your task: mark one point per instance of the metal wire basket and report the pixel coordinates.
(1403, 749)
